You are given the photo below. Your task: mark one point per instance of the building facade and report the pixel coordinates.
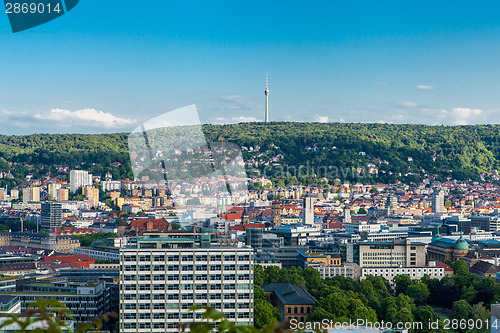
(51, 215)
(160, 281)
(79, 178)
(399, 253)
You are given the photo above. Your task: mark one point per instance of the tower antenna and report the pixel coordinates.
(267, 98)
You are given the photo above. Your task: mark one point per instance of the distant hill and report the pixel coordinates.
(459, 152)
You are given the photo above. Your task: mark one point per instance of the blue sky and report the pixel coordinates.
(107, 66)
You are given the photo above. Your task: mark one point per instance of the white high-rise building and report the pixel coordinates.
(308, 211)
(161, 278)
(79, 178)
(437, 203)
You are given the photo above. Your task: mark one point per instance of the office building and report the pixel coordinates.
(391, 204)
(308, 211)
(161, 278)
(79, 178)
(51, 215)
(398, 253)
(437, 202)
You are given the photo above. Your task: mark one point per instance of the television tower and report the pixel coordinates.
(267, 99)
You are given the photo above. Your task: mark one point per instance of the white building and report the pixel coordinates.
(79, 178)
(111, 185)
(308, 211)
(362, 227)
(159, 284)
(415, 273)
(437, 202)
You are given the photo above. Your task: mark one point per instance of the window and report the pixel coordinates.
(145, 306)
(201, 258)
(173, 277)
(187, 258)
(173, 258)
(145, 287)
(187, 267)
(158, 268)
(158, 306)
(173, 296)
(158, 258)
(144, 277)
(159, 277)
(159, 296)
(144, 258)
(129, 258)
(159, 287)
(201, 267)
(145, 297)
(159, 316)
(173, 287)
(229, 257)
(215, 258)
(245, 257)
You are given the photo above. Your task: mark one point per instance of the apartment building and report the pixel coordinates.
(160, 279)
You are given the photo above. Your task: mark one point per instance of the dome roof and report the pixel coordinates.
(437, 236)
(461, 244)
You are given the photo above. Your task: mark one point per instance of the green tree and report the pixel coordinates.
(402, 283)
(461, 310)
(265, 313)
(418, 292)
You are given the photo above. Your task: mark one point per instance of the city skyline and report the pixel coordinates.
(108, 68)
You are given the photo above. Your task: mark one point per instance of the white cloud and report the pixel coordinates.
(463, 116)
(89, 117)
(321, 119)
(232, 120)
(425, 87)
(229, 98)
(408, 104)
